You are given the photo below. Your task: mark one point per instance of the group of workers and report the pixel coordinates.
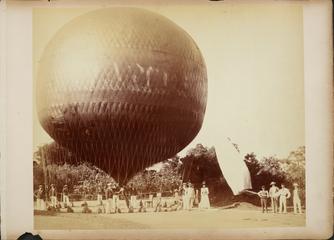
(278, 198)
(113, 192)
(186, 201)
(185, 197)
(42, 197)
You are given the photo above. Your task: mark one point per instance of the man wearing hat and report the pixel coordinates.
(53, 195)
(296, 199)
(273, 194)
(284, 194)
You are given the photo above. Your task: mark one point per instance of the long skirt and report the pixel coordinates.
(185, 202)
(204, 203)
(40, 204)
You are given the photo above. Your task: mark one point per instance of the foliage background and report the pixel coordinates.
(200, 164)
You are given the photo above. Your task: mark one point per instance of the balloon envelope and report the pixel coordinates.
(232, 165)
(123, 88)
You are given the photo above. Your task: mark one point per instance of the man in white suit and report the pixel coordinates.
(284, 194)
(296, 200)
(273, 194)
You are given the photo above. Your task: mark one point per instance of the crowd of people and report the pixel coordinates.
(109, 198)
(278, 198)
(186, 197)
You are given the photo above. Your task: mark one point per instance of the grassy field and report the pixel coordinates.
(244, 216)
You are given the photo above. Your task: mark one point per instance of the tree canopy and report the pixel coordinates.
(200, 164)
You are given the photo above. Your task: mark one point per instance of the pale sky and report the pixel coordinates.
(254, 60)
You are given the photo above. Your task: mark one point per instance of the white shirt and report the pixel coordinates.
(272, 191)
(296, 194)
(284, 192)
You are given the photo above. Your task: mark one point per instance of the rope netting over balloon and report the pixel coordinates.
(125, 143)
(122, 88)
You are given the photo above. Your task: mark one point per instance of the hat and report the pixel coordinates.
(272, 183)
(295, 184)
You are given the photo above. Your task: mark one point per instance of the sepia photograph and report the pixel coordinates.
(168, 117)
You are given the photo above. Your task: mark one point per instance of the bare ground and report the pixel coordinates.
(244, 216)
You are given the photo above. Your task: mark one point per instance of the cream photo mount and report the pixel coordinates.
(16, 164)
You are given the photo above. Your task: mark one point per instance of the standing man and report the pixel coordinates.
(99, 192)
(53, 196)
(117, 192)
(125, 194)
(284, 194)
(273, 191)
(109, 196)
(196, 201)
(66, 199)
(46, 196)
(158, 202)
(39, 198)
(263, 194)
(191, 196)
(184, 192)
(141, 206)
(296, 199)
(176, 195)
(133, 196)
(177, 198)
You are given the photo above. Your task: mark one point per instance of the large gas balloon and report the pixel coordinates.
(123, 88)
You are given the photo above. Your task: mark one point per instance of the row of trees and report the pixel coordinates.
(81, 179)
(287, 171)
(200, 164)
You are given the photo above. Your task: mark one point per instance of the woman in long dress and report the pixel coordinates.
(204, 203)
